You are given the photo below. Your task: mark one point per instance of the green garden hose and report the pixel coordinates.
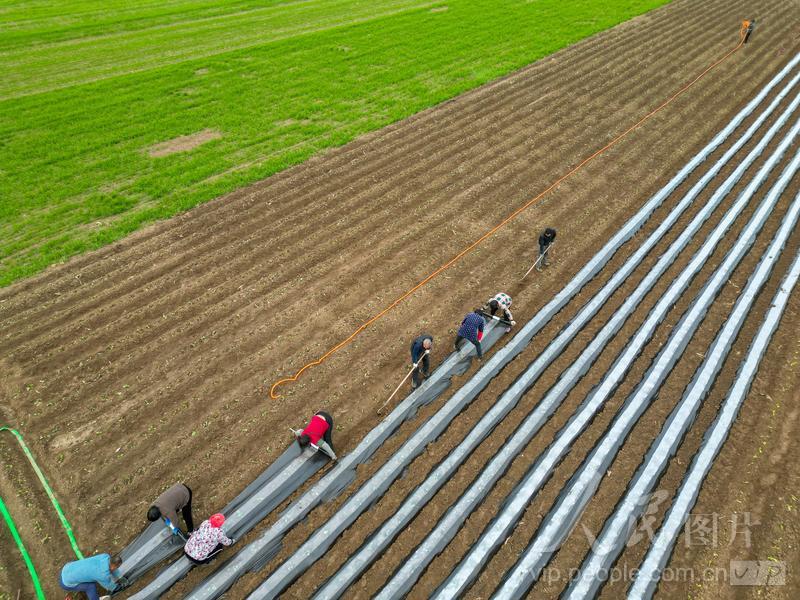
(31, 569)
(48, 489)
(12, 527)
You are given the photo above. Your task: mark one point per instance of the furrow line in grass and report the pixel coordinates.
(16, 92)
(183, 22)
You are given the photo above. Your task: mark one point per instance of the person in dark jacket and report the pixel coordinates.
(420, 349)
(472, 330)
(318, 432)
(546, 239)
(166, 506)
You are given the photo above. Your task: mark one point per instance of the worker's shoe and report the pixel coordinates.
(105, 597)
(413, 384)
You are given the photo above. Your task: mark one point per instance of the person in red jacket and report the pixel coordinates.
(318, 433)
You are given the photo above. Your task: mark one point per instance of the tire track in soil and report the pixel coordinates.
(160, 409)
(422, 524)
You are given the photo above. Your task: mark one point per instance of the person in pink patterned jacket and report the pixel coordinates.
(207, 540)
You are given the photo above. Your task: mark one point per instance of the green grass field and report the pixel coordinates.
(90, 87)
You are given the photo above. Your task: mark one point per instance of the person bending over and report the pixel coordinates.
(472, 330)
(418, 351)
(207, 540)
(318, 432)
(84, 575)
(166, 506)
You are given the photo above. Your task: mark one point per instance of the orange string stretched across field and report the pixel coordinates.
(509, 218)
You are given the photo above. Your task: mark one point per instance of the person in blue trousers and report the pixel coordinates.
(84, 575)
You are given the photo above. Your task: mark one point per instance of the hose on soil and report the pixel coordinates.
(743, 30)
(22, 550)
(10, 522)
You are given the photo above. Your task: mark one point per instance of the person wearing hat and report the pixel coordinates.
(85, 574)
(207, 540)
(546, 240)
(472, 330)
(166, 506)
(420, 349)
(318, 433)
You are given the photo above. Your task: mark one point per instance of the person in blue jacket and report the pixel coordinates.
(84, 575)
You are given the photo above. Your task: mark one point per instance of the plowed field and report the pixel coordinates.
(150, 361)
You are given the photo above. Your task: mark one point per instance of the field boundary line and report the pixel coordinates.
(507, 220)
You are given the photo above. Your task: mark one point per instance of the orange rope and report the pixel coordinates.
(504, 222)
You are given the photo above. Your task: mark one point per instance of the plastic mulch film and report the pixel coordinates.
(287, 473)
(581, 487)
(404, 579)
(457, 363)
(262, 549)
(648, 574)
(619, 526)
(321, 540)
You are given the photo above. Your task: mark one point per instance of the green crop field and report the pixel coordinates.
(93, 94)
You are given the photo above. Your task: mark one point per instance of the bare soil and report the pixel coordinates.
(149, 361)
(183, 143)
